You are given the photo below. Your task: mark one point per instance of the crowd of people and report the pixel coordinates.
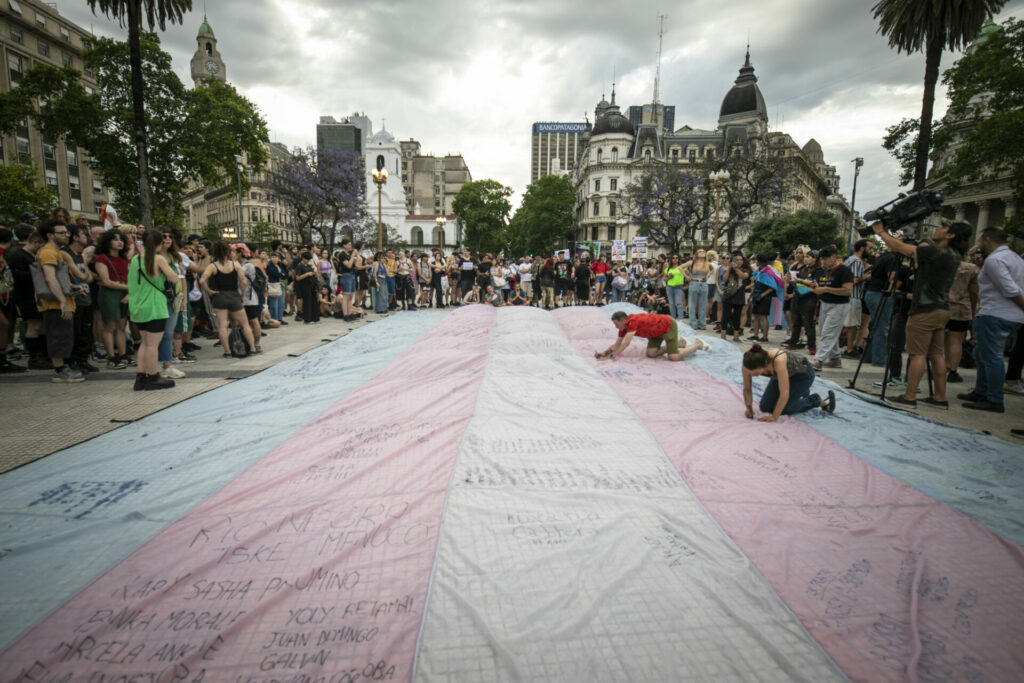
(131, 297)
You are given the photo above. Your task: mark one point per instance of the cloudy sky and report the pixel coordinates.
(471, 77)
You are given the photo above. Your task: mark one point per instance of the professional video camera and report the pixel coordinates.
(905, 209)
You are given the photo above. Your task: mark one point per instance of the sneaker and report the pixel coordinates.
(834, 363)
(257, 349)
(87, 367)
(954, 377)
(189, 347)
(853, 356)
(140, 381)
(66, 375)
(1013, 386)
(892, 384)
(817, 365)
(986, 405)
(9, 368)
(172, 373)
(971, 395)
(184, 357)
(812, 352)
(130, 360)
(117, 363)
(928, 400)
(900, 401)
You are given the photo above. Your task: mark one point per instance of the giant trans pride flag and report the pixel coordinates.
(473, 497)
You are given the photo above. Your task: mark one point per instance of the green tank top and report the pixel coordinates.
(146, 300)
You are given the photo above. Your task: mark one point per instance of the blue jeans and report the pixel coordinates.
(166, 349)
(799, 398)
(991, 334)
(276, 306)
(380, 298)
(698, 304)
(875, 352)
(675, 301)
(618, 294)
(348, 283)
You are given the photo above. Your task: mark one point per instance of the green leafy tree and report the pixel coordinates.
(930, 26)
(259, 234)
(130, 12)
(483, 208)
(759, 182)
(212, 231)
(983, 130)
(21, 191)
(192, 135)
(783, 233)
(545, 216)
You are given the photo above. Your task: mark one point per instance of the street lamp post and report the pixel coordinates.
(719, 181)
(238, 166)
(380, 176)
(441, 222)
(857, 163)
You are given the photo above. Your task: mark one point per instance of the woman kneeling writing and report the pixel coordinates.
(788, 389)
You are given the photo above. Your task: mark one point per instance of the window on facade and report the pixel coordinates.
(611, 208)
(72, 155)
(380, 161)
(40, 20)
(15, 7)
(66, 59)
(97, 207)
(599, 154)
(16, 65)
(97, 186)
(614, 184)
(254, 213)
(597, 185)
(74, 182)
(597, 209)
(51, 178)
(615, 153)
(693, 155)
(675, 154)
(647, 156)
(709, 152)
(594, 235)
(22, 143)
(419, 237)
(209, 48)
(65, 34)
(16, 35)
(76, 204)
(49, 151)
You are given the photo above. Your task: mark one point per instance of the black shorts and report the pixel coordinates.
(763, 306)
(153, 326)
(60, 334)
(228, 301)
(253, 312)
(958, 325)
(25, 301)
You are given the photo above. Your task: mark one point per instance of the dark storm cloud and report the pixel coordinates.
(822, 67)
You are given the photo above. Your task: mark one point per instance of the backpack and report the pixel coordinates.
(237, 345)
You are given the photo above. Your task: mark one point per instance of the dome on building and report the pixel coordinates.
(612, 122)
(987, 29)
(812, 150)
(744, 97)
(382, 137)
(204, 28)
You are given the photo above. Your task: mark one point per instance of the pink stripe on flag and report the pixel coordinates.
(894, 584)
(314, 560)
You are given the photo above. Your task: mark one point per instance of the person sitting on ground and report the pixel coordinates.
(656, 329)
(788, 390)
(516, 296)
(326, 301)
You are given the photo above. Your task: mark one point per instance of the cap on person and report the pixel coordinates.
(29, 216)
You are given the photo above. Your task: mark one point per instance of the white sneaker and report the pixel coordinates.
(172, 373)
(1015, 386)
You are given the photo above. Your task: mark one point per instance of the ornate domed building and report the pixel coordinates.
(616, 153)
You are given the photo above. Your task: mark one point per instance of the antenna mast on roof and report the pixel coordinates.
(657, 71)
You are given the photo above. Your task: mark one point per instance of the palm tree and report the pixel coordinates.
(158, 13)
(931, 25)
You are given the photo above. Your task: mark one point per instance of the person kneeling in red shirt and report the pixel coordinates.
(656, 329)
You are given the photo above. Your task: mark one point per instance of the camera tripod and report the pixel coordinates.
(888, 294)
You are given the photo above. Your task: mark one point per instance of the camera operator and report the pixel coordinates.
(929, 311)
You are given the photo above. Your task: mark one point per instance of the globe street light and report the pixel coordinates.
(719, 181)
(441, 222)
(380, 176)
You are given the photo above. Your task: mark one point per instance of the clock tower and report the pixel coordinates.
(206, 62)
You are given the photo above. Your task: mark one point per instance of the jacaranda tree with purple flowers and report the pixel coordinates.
(760, 184)
(323, 189)
(671, 203)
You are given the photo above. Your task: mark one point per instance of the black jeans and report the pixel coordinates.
(83, 344)
(802, 309)
(1013, 367)
(731, 317)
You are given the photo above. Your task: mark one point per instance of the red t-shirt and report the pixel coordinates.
(117, 267)
(647, 325)
(599, 267)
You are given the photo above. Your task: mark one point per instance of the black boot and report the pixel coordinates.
(155, 382)
(140, 381)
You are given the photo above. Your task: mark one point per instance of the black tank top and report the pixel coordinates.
(223, 282)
